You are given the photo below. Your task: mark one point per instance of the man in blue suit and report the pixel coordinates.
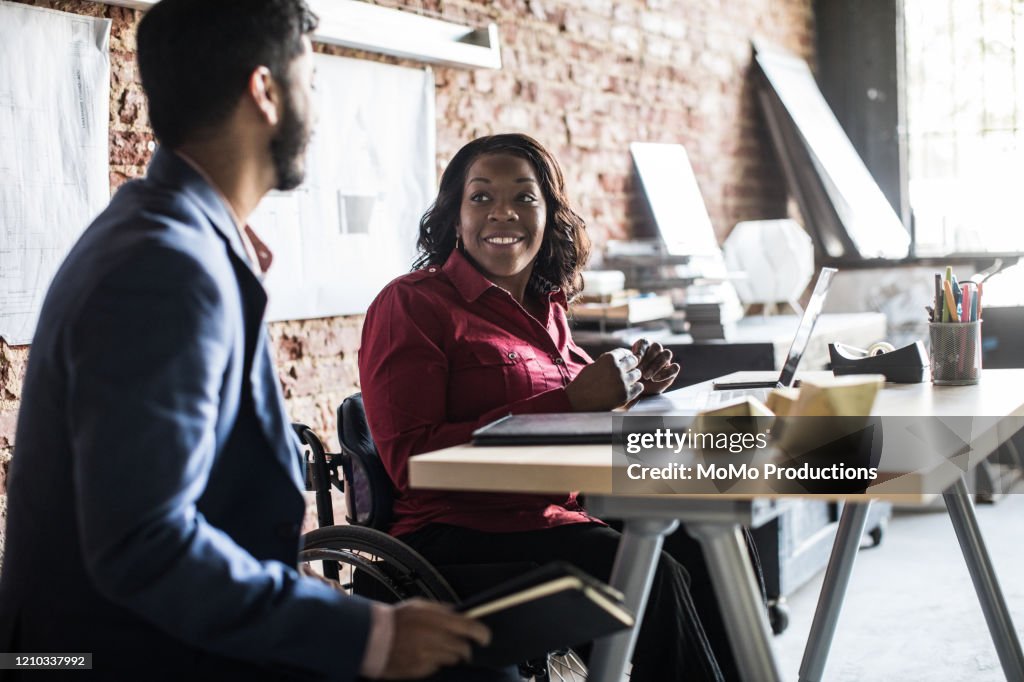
(154, 498)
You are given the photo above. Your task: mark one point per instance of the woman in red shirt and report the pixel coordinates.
(478, 330)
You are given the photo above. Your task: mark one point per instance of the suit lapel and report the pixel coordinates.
(268, 401)
(269, 404)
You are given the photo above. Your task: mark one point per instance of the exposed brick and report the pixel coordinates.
(625, 13)
(13, 363)
(8, 424)
(131, 148)
(586, 77)
(602, 8)
(131, 107)
(122, 69)
(3, 522)
(627, 37)
(311, 378)
(5, 463)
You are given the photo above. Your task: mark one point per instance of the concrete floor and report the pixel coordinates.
(911, 612)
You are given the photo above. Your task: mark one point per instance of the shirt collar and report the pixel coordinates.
(466, 279)
(471, 285)
(260, 256)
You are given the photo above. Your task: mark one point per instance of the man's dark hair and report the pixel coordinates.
(196, 56)
(566, 247)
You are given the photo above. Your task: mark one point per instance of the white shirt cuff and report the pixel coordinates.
(378, 644)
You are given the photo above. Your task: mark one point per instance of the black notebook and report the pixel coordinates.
(550, 608)
(546, 429)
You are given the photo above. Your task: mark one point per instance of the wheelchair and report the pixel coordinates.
(366, 561)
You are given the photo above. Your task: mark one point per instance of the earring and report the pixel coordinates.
(458, 242)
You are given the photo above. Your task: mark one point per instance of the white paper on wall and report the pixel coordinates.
(352, 226)
(54, 109)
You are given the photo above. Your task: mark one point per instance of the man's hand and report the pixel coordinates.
(610, 382)
(429, 635)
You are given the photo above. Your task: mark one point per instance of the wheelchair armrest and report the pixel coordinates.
(320, 472)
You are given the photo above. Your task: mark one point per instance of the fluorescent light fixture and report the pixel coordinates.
(362, 26)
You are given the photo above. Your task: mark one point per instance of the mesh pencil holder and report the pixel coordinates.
(955, 352)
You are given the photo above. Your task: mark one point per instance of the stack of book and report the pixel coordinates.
(624, 309)
(706, 321)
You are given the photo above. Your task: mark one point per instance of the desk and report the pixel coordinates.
(760, 343)
(715, 520)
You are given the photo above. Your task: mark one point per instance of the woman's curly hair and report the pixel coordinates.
(565, 248)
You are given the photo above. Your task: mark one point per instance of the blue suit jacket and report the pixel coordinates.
(154, 497)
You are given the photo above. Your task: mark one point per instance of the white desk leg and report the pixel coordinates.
(965, 523)
(632, 574)
(737, 591)
(830, 601)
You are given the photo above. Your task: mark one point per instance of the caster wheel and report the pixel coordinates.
(778, 617)
(876, 536)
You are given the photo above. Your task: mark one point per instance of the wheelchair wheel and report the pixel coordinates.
(372, 564)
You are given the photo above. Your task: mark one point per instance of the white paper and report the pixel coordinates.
(352, 226)
(683, 221)
(54, 150)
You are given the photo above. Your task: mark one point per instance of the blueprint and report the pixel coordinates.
(352, 226)
(54, 108)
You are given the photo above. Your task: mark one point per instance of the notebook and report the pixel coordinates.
(760, 389)
(550, 608)
(570, 428)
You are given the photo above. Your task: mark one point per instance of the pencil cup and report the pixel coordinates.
(955, 352)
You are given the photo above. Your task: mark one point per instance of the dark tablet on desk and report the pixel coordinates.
(570, 428)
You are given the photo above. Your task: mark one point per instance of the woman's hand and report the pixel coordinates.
(613, 380)
(657, 371)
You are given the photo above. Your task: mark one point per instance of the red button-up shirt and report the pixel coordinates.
(445, 351)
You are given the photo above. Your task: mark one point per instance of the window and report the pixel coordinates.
(965, 124)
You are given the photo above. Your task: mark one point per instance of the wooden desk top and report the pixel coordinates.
(983, 415)
(1000, 393)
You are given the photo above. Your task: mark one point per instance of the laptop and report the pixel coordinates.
(732, 390)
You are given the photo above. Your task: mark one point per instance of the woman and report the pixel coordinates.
(478, 330)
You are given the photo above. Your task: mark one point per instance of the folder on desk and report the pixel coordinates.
(550, 608)
(577, 428)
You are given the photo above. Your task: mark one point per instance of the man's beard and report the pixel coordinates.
(288, 147)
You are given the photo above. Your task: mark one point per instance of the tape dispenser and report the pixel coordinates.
(906, 365)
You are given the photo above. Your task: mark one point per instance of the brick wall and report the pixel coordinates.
(586, 77)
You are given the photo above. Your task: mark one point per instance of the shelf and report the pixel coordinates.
(362, 26)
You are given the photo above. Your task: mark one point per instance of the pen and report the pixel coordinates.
(937, 310)
(965, 305)
(972, 299)
(950, 310)
(947, 310)
(957, 297)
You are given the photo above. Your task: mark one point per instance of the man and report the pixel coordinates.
(154, 502)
